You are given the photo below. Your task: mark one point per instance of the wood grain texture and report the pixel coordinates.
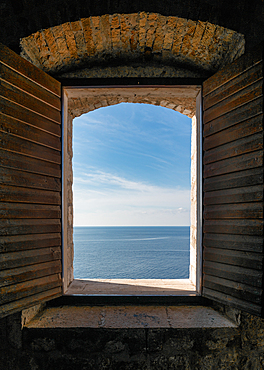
(23, 67)
(233, 185)
(237, 115)
(30, 184)
(16, 243)
(18, 275)
(234, 180)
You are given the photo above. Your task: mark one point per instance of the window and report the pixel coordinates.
(166, 96)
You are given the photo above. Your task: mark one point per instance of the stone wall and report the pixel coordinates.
(240, 348)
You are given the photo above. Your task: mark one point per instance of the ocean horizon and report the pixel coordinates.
(131, 252)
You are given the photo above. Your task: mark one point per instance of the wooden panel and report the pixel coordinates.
(22, 130)
(235, 195)
(245, 305)
(21, 210)
(232, 102)
(238, 147)
(11, 109)
(18, 96)
(233, 185)
(28, 86)
(250, 127)
(18, 145)
(25, 68)
(234, 289)
(234, 226)
(234, 180)
(21, 162)
(18, 275)
(234, 257)
(30, 184)
(29, 301)
(233, 70)
(24, 195)
(239, 114)
(243, 80)
(29, 241)
(29, 226)
(241, 210)
(29, 180)
(234, 242)
(234, 273)
(30, 257)
(18, 291)
(231, 165)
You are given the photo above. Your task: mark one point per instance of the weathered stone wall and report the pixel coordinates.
(239, 348)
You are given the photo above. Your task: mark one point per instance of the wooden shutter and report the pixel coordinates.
(233, 184)
(30, 184)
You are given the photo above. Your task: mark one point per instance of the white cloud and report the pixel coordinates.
(125, 202)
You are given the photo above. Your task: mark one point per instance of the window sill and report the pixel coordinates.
(132, 287)
(126, 317)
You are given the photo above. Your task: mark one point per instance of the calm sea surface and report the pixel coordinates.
(131, 252)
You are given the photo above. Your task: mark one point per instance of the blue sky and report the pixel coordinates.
(131, 167)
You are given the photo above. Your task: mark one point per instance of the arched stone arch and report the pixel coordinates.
(121, 39)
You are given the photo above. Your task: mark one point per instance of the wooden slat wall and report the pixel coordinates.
(233, 185)
(30, 184)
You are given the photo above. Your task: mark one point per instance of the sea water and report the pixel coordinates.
(132, 252)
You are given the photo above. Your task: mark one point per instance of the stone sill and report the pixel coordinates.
(132, 287)
(127, 317)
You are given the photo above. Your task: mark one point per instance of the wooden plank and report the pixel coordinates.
(24, 131)
(15, 276)
(29, 301)
(29, 226)
(234, 180)
(29, 241)
(29, 180)
(235, 302)
(21, 162)
(23, 146)
(233, 226)
(30, 87)
(239, 131)
(234, 257)
(234, 289)
(29, 257)
(234, 242)
(234, 164)
(238, 147)
(18, 96)
(21, 210)
(243, 80)
(19, 291)
(251, 92)
(235, 195)
(234, 273)
(29, 117)
(21, 65)
(25, 195)
(241, 210)
(233, 70)
(237, 115)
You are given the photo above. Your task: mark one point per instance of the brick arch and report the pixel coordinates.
(138, 37)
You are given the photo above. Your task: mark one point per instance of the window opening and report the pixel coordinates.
(132, 169)
(80, 100)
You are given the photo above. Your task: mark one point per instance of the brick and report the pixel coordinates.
(87, 31)
(79, 38)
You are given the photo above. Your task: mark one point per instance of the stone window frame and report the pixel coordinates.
(69, 95)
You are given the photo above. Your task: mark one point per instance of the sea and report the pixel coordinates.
(145, 252)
